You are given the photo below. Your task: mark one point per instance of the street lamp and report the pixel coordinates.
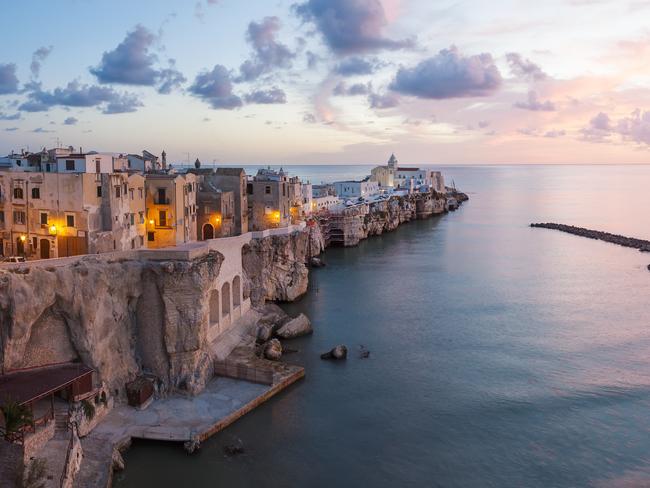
(53, 230)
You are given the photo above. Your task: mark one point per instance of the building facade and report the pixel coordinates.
(170, 201)
(356, 189)
(269, 202)
(234, 180)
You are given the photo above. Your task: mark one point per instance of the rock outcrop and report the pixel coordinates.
(275, 266)
(338, 352)
(119, 317)
(297, 327)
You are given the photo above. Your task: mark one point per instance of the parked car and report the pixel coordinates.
(14, 259)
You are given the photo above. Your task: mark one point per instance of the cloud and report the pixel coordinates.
(11, 129)
(4, 116)
(599, 128)
(123, 104)
(133, 63)
(350, 26)
(483, 124)
(199, 10)
(553, 134)
(353, 90)
(535, 104)
(38, 57)
(387, 100)
(170, 78)
(70, 121)
(40, 130)
(449, 75)
(78, 95)
(524, 68)
(268, 54)
(635, 128)
(309, 118)
(313, 59)
(8, 79)
(267, 97)
(215, 88)
(356, 66)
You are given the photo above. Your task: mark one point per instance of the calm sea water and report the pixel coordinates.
(501, 356)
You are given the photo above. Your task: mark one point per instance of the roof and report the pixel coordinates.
(33, 384)
(231, 171)
(408, 169)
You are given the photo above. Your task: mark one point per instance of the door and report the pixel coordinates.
(20, 247)
(208, 232)
(45, 249)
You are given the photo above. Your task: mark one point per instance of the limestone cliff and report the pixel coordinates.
(120, 317)
(276, 266)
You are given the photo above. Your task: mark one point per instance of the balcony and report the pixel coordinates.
(161, 201)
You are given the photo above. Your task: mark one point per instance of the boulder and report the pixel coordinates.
(297, 327)
(339, 352)
(273, 316)
(316, 262)
(273, 350)
(264, 333)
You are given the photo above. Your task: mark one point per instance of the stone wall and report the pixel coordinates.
(73, 460)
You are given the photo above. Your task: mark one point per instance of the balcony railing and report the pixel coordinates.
(161, 201)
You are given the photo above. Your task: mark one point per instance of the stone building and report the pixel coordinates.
(234, 180)
(269, 203)
(47, 215)
(215, 215)
(356, 189)
(171, 209)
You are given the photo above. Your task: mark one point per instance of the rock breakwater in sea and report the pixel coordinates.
(624, 241)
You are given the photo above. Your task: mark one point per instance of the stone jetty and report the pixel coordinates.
(640, 244)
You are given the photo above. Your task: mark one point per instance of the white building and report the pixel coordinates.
(307, 198)
(325, 202)
(356, 189)
(94, 163)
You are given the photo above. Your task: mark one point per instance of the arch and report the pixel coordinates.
(236, 292)
(45, 249)
(225, 299)
(214, 307)
(208, 232)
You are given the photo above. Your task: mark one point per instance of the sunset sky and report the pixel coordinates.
(330, 81)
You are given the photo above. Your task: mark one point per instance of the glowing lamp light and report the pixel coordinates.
(276, 214)
(151, 222)
(23, 238)
(217, 219)
(53, 230)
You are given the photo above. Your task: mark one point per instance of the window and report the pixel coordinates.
(69, 164)
(36, 193)
(98, 165)
(284, 190)
(132, 219)
(162, 196)
(141, 215)
(131, 193)
(18, 193)
(69, 220)
(162, 218)
(2, 216)
(267, 190)
(124, 188)
(117, 191)
(43, 218)
(141, 239)
(99, 192)
(19, 217)
(140, 193)
(34, 242)
(150, 236)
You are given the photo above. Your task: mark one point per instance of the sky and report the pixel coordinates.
(330, 81)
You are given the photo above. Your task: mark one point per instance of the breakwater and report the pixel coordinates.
(624, 241)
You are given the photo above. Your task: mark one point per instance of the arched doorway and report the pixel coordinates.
(20, 247)
(208, 232)
(236, 292)
(214, 307)
(225, 299)
(45, 249)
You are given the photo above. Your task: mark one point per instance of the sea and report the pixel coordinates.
(500, 355)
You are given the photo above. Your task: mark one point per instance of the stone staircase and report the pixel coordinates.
(61, 418)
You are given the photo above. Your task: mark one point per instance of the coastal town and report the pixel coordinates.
(64, 202)
(137, 295)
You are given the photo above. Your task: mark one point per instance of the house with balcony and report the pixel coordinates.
(170, 200)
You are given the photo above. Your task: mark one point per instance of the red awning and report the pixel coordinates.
(30, 385)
